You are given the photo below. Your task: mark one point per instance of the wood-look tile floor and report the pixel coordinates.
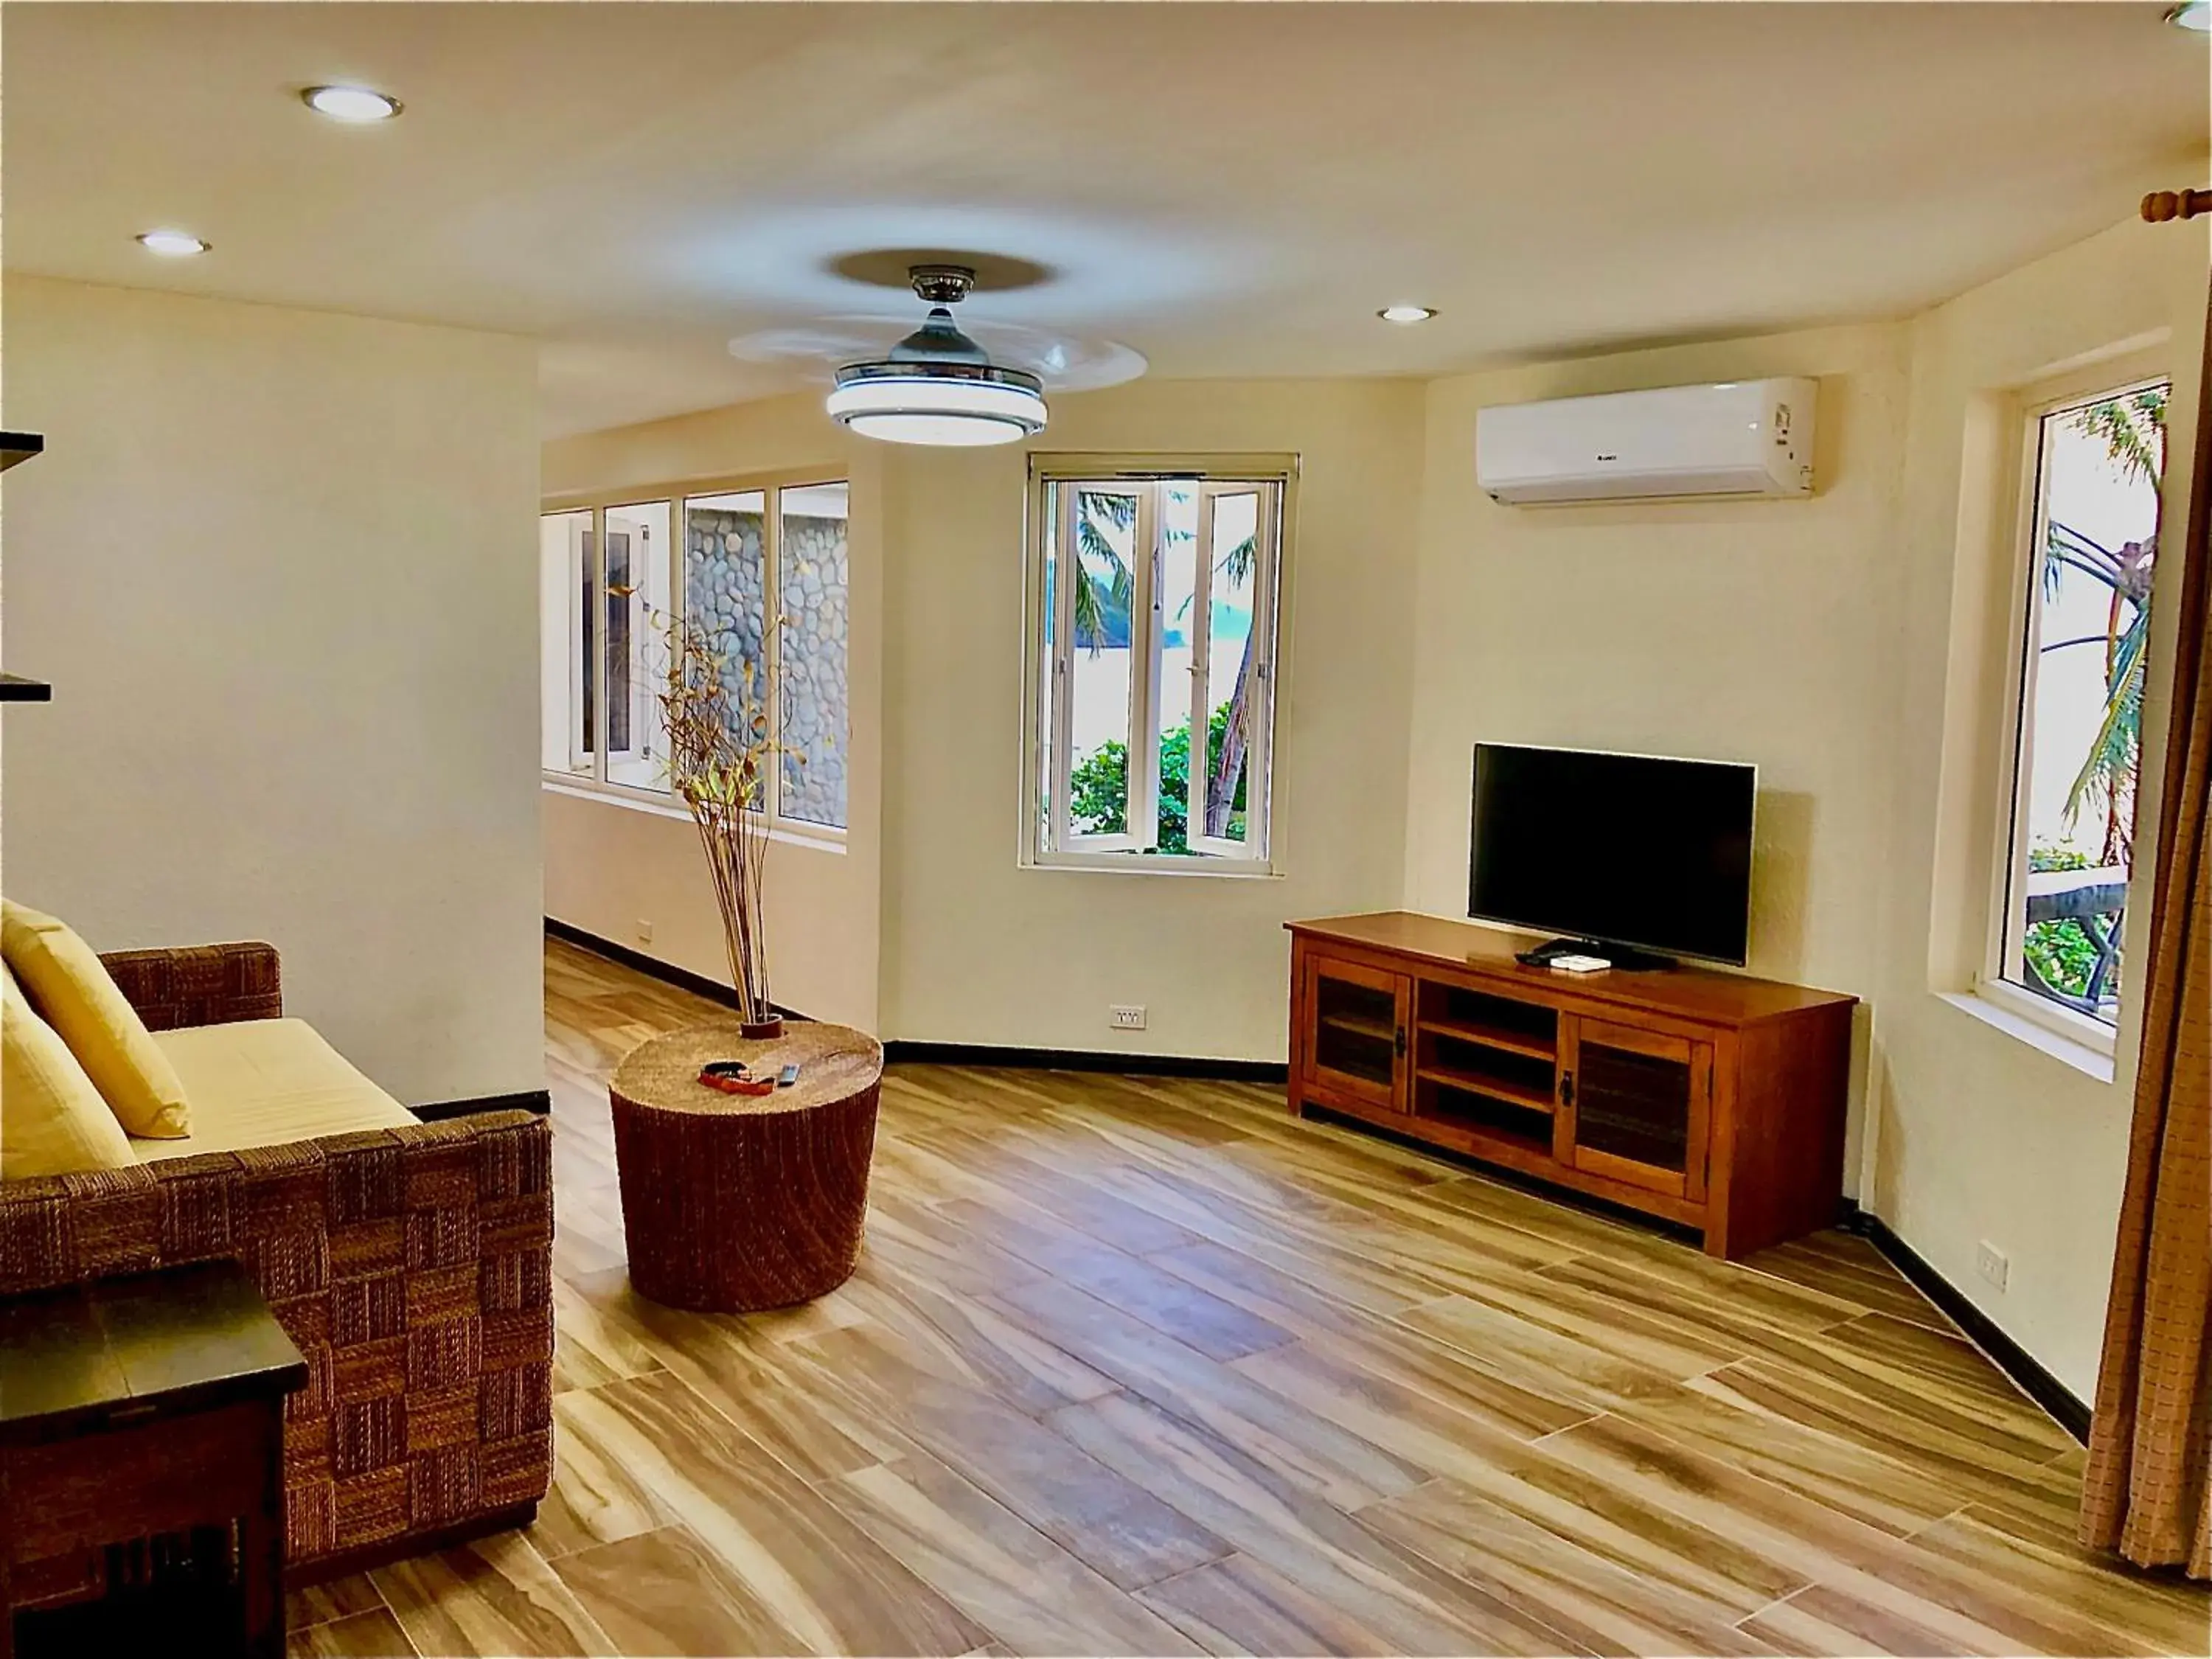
(1146, 1366)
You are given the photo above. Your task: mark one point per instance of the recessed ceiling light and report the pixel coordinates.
(1406, 314)
(2195, 15)
(172, 243)
(356, 105)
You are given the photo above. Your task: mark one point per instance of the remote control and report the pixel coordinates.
(786, 1077)
(1578, 964)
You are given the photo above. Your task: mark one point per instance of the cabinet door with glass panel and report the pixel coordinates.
(1354, 1020)
(1634, 1105)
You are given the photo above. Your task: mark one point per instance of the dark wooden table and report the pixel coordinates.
(132, 1412)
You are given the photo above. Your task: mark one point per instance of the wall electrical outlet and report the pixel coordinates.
(644, 931)
(1126, 1016)
(1993, 1264)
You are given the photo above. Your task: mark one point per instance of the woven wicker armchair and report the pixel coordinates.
(413, 1268)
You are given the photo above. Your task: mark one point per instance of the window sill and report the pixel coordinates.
(1137, 864)
(813, 838)
(2083, 1057)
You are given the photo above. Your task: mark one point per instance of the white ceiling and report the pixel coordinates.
(1230, 190)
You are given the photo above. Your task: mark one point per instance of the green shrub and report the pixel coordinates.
(1098, 786)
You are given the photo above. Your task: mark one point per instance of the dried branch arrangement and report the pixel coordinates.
(720, 750)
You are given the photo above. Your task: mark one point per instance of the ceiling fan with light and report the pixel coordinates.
(937, 386)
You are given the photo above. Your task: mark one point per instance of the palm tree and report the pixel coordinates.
(1094, 599)
(1221, 778)
(2133, 429)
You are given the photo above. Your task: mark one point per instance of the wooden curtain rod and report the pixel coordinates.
(2163, 204)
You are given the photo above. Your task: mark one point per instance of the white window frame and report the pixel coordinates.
(574, 606)
(1047, 838)
(2010, 849)
(595, 783)
(641, 629)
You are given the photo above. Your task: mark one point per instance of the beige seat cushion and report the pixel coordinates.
(263, 1082)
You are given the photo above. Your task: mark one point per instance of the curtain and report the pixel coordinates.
(2147, 1492)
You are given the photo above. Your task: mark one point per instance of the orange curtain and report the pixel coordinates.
(2148, 1493)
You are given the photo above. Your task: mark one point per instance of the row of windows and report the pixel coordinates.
(614, 578)
(1152, 651)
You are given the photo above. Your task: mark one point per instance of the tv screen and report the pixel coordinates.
(1629, 849)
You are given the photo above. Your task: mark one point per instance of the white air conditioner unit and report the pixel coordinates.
(1738, 438)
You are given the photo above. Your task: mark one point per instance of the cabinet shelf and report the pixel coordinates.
(1513, 1042)
(1381, 1029)
(1528, 1100)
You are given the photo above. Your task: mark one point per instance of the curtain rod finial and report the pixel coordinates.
(2163, 204)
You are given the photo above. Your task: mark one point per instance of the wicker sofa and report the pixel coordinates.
(411, 1266)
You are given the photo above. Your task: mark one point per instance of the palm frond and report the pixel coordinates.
(2110, 765)
(2065, 548)
(2133, 431)
(1094, 547)
(1238, 564)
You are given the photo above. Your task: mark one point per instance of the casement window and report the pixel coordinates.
(1154, 595)
(613, 574)
(2093, 458)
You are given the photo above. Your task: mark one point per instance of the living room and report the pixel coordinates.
(341, 489)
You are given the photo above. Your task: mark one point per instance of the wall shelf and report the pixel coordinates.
(20, 446)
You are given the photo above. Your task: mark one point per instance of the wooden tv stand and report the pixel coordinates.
(1713, 1100)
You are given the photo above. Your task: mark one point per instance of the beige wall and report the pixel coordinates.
(976, 950)
(1728, 630)
(280, 568)
(924, 926)
(1825, 640)
(610, 864)
(1977, 1135)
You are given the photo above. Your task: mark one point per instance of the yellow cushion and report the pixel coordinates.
(52, 1121)
(76, 995)
(263, 1082)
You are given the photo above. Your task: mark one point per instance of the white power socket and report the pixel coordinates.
(644, 931)
(1126, 1016)
(1993, 1264)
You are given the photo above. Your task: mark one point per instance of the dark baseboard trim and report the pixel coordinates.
(540, 1100)
(2015, 1361)
(942, 1053)
(915, 1052)
(653, 967)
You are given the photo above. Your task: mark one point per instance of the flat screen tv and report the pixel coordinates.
(1624, 854)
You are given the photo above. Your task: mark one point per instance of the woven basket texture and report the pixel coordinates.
(734, 1203)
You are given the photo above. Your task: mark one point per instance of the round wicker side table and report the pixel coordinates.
(734, 1203)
